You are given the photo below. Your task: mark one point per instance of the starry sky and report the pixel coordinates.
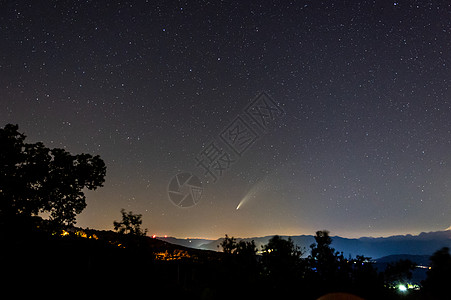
(361, 146)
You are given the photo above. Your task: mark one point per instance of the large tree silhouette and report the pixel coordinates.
(36, 179)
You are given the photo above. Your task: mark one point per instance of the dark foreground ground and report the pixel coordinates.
(89, 262)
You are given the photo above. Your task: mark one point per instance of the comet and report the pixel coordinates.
(239, 205)
(249, 194)
(252, 192)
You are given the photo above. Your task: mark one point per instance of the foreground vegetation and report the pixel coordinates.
(37, 253)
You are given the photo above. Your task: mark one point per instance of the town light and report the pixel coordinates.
(402, 288)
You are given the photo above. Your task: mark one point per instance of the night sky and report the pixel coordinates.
(357, 136)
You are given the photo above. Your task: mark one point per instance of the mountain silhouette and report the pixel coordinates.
(425, 243)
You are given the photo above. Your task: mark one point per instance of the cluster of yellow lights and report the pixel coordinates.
(79, 233)
(174, 255)
(82, 234)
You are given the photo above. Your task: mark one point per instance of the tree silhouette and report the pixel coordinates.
(34, 178)
(130, 224)
(399, 272)
(323, 257)
(365, 278)
(246, 249)
(242, 253)
(228, 245)
(321, 250)
(281, 260)
(438, 278)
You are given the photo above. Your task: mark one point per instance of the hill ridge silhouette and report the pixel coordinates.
(425, 243)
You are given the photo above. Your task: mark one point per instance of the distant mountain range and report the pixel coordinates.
(426, 243)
